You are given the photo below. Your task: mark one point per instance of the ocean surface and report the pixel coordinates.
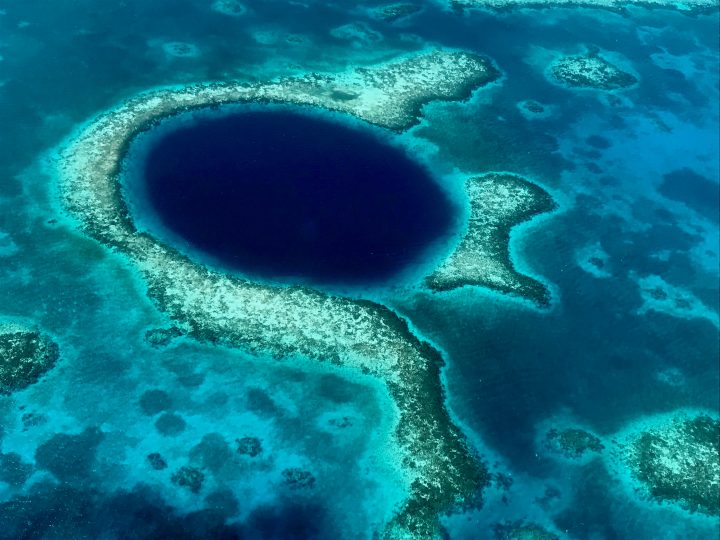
(635, 174)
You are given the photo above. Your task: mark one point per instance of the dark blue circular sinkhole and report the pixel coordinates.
(284, 195)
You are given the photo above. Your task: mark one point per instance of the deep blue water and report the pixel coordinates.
(73, 448)
(285, 195)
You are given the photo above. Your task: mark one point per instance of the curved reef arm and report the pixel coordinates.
(359, 336)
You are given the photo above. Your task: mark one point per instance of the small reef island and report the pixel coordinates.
(571, 443)
(590, 70)
(359, 337)
(671, 459)
(26, 354)
(498, 202)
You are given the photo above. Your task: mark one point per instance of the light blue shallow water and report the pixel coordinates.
(75, 445)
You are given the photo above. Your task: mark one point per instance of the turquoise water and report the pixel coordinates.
(634, 172)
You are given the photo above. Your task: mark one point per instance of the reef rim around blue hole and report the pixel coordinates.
(288, 195)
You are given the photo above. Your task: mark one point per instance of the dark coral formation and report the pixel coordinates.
(189, 477)
(572, 442)
(70, 458)
(155, 401)
(249, 446)
(658, 293)
(170, 424)
(297, 478)
(212, 452)
(680, 462)
(394, 12)
(32, 419)
(597, 262)
(161, 337)
(26, 354)
(156, 461)
(340, 422)
(13, 470)
(534, 107)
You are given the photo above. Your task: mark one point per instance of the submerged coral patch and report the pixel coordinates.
(590, 70)
(233, 8)
(181, 49)
(661, 297)
(188, 477)
(26, 354)
(572, 443)
(395, 12)
(362, 338)
(498, 202)
(357, 32)
(673, 459)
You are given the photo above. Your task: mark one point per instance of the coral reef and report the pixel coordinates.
(180, 49)
(594, 260)
(188, 477)
(26, 354)
(359, 336)
(233, 8)
(674, 459)
(395, 12)
(533, 110)
(170, 425)
(154, 401)
(249, 446)
(661, 297)
(590, 71)
(13, 470)
(357, 32)
(498, 202)
(161, 337)
(156, 461)
(572, 443)
(297, 478)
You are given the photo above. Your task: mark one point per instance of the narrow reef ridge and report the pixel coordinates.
(690, 7)
(26, 354)
(589, 71)
(361, 337)
(498, 202)
(672, 459)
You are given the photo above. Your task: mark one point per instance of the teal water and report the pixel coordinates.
(635, 174)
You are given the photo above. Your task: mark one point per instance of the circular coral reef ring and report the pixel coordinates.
(672, 459)
(26, 354)
(359, 336)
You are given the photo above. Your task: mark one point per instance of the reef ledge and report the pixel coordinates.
(361, 337)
